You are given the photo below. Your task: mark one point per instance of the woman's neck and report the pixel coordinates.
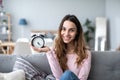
(70, 48)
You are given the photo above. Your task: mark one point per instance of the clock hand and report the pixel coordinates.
(38, 43)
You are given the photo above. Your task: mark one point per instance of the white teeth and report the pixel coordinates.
(66, 38)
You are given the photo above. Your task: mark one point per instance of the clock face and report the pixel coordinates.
(38, 42)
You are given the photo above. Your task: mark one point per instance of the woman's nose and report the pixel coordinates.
(66, 32)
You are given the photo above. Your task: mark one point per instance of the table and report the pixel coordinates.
(7, 47)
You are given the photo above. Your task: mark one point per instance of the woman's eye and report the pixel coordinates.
(72, 30)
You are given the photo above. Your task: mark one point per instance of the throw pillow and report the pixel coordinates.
(50, 77)
(31, 72)
(19, 74)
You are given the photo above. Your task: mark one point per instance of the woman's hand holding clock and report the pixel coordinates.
(38, 43)
(43, 49)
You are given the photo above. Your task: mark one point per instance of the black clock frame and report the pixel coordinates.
(39, 36)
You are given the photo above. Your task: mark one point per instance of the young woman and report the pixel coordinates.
(70, 59)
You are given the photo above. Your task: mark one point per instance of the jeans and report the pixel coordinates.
(68, 75)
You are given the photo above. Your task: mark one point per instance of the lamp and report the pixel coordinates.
(23, 23)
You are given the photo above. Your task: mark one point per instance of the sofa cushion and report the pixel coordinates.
(39, 61)
(105, 65)
(19, 74)
(31, 72)
(6, 62)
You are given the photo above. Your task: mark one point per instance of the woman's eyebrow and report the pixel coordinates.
(72, 28)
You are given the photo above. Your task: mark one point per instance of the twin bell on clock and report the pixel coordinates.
(37, 40)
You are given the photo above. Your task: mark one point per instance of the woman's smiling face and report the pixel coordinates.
(68, 32)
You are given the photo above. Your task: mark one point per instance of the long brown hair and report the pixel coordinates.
(79, 42)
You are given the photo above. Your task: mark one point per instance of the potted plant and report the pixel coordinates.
(89, 30)
(4, 21)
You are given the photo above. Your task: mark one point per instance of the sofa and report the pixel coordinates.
(105, 64)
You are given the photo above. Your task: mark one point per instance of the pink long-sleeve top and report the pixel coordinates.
(82, 71)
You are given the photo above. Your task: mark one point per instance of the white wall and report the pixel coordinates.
(113, 14)
(47, 14)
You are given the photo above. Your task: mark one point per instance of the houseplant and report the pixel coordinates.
(4, 21)
(89, 30)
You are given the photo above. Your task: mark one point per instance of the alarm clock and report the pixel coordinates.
(38, 41)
